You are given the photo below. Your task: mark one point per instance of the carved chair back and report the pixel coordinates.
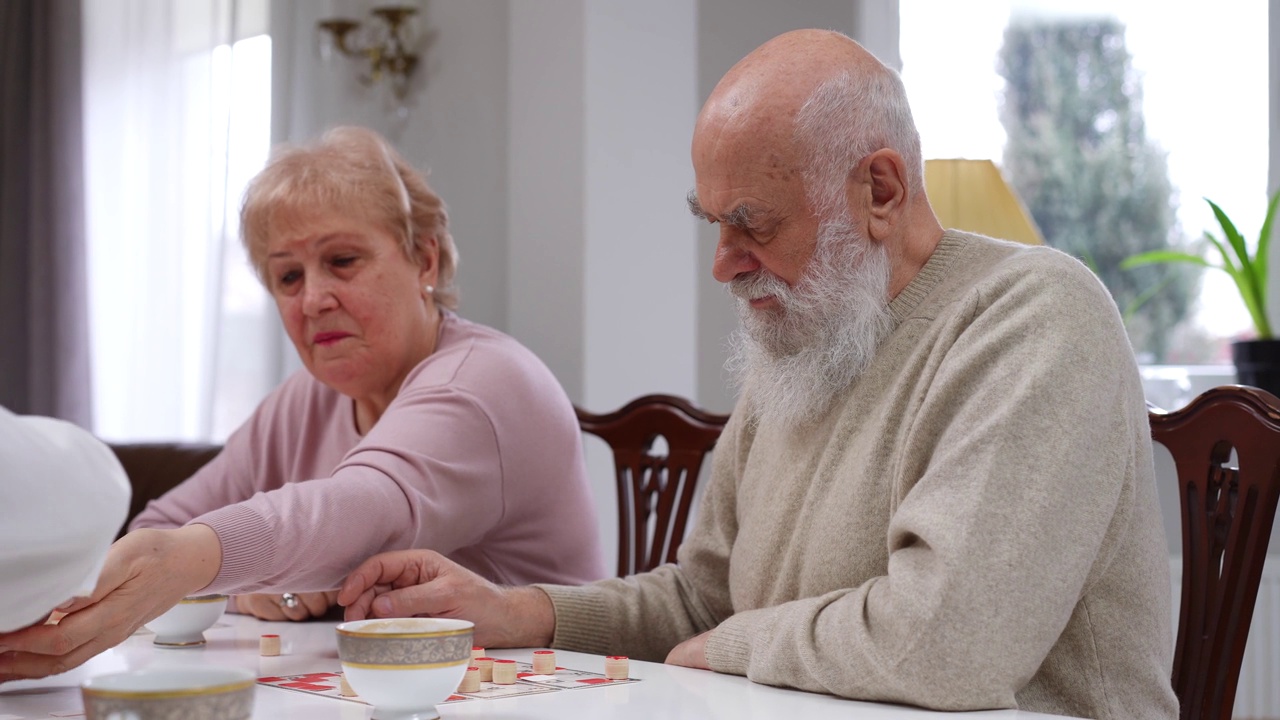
(1227, 514)
(655, 484)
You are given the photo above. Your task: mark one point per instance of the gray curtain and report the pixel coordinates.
(44, 340)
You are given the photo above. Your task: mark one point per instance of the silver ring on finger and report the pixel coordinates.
(288, 601)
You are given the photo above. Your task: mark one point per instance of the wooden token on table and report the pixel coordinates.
(269, 645)
(477, 652)
(470, 681)
(486, 668)
(344, 688)
(504, 672)
(617, 667)
(544, 662)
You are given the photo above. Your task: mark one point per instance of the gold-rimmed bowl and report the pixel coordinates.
(183, 625)
(404, 666)
(195, 693)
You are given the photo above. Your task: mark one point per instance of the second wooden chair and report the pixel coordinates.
(1227, 514)
(655, 487)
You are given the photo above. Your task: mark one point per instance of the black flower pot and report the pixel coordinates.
(1258, 363)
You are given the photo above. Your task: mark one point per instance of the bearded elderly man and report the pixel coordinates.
(937, 487)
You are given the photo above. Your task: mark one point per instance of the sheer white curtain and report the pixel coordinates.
(177, 119)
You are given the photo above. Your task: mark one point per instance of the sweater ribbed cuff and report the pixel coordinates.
(248, 547)
(582, 623)
(728, 648)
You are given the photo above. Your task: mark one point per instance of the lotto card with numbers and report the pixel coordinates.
(565, 678)
(328, 684)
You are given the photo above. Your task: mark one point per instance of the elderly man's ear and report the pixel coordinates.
(878, 192)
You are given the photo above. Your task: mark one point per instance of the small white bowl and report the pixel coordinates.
(192, 693)
(404, 666)
(183, 625)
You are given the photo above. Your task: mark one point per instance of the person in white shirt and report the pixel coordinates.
(63, 498)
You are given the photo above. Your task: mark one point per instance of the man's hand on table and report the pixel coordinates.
(691, 653)
(423, 583)
(274, 608)
(146, 573)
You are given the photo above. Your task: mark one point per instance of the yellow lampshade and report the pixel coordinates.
(972, 195)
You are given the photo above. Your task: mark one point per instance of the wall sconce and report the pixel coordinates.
(382, 45)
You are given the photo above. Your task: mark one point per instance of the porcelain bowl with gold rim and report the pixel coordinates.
(193, 693)
(183, 625)
(404, 666)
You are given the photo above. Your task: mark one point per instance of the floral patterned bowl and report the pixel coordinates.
(193, 693)
(404, 666)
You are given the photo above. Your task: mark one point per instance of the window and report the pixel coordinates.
(1193, 110)
(176, 122)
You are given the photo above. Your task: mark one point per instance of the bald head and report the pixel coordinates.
(765, 90)
(807, 129)
(816, 102)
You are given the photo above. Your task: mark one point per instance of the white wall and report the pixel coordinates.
(456, 129)
(601, 248)
(546, 221)
(641, 248)
(600, 245)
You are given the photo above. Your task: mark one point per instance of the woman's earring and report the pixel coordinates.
(429, 290)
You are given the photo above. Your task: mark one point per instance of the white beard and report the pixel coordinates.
(797, 358)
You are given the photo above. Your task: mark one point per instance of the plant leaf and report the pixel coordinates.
(1227, 263)
(1244, 283)
(1248, 273)
(1262, 260)
(1233, 235)
(1136, 304)
(1153, 257)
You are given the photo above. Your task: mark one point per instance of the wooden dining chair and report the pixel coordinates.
(1227, 515)
(655, 487)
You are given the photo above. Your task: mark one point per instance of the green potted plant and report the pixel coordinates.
(1257, 361)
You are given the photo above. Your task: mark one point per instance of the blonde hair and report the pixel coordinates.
(356, 172)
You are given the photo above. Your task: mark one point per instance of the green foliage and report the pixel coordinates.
(1248, 272)
(1078, 155)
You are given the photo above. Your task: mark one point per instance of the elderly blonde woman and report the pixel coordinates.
(409, 428)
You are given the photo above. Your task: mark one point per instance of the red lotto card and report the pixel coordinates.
(527, 683)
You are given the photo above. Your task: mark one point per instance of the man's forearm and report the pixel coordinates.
(532, 618)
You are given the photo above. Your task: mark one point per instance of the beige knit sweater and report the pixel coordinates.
(973, 525)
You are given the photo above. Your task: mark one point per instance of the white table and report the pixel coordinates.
(665, 692)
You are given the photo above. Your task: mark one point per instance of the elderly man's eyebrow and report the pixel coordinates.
(695, 207)
(740, 216)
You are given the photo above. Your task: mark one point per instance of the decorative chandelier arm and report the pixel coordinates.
(385, 51)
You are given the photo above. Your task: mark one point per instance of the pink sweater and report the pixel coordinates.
(478, 457)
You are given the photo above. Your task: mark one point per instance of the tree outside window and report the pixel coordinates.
(1112, 131)
(1079, 156)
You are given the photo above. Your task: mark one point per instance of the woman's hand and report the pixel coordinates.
(146, 573)
(274, 608)
(424, 583)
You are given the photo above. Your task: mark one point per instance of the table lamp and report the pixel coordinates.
(972, 195)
